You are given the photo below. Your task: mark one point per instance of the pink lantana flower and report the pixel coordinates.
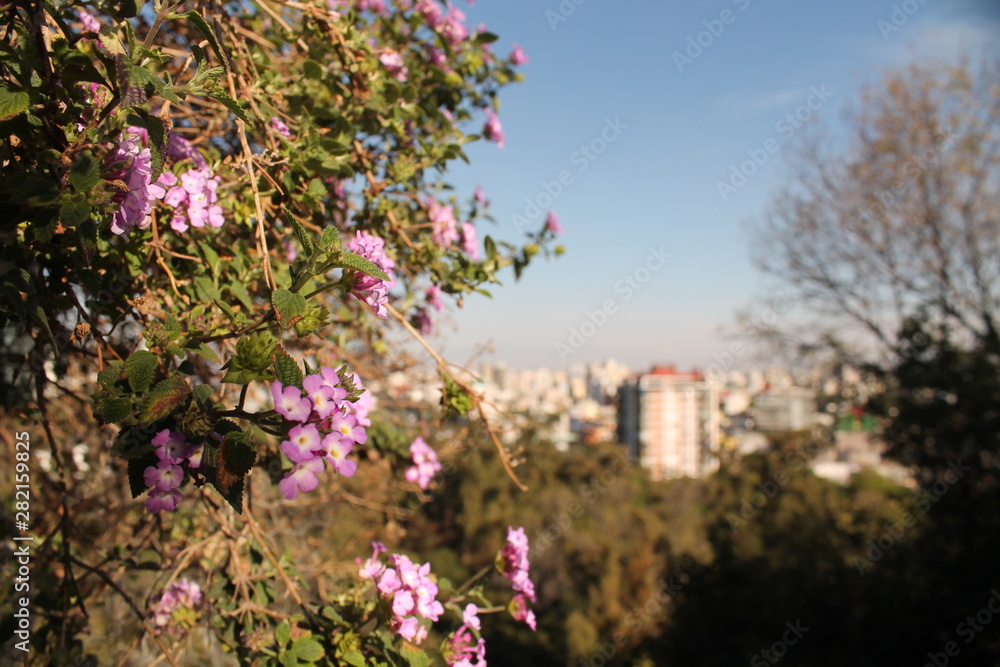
(289, 402)
(302, 478)
(492, 129)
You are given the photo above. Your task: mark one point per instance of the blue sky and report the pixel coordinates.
(672, 129)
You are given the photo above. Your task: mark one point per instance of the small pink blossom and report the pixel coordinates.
(552, 223)
(302, 478)
(289, 402)
(517, 56)
(280, 127)
(393, 62)
(493, 130)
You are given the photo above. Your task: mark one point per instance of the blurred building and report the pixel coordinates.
(784, 409)
(670, 422)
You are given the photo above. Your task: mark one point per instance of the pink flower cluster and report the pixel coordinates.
(136, 170)
(410, 589)
(179, 148)
(165, 477)
(493, 130)
(393, 62)
(470, 243)
(425, 464)
(367, 288)
(459, 649)
(181, 596)
(280, 127)
(450, 24)
(444, 227)
(513, 564)
(422, 318)
(328, 428)
(194, 200)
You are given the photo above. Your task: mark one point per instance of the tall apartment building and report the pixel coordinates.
(670, 421)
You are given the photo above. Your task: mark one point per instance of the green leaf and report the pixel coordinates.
(308, 649)
(164, 397)
(289, 307)
(237, 453)
(85, 172)
(205, 351)
(74, 213)
(140, 368)
(349, 260)
(283, 633)
(330, 239)
(302, 235)
(415, 657)
(312, 69)
(205, 29)
(223, 98)
(13, 104)
(202, 395)
(114, 409)
(286, 370)
(239, 290)
(354, 658)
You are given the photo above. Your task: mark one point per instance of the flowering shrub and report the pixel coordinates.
(208, 214)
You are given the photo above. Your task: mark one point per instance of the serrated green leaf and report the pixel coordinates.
(140, 368)
(288, 306)
(308, 649)
(114, 409)
(348, 260)
(85, 172)
(237, 453)
(286, 370)
(330, 240)
(74, 213)
(223, 98)
(13, 103)
(164, 397)
(288, 659)
(305, 239)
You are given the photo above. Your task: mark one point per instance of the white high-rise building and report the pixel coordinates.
(678, 422)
